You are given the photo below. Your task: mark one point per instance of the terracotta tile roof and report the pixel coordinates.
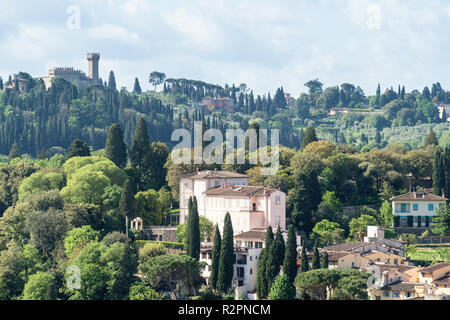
(400, 286)
(211, 174)
(435, 267)
(346, 246)
(253, 234)
(239, 191)
(418, 196)
(443, 280)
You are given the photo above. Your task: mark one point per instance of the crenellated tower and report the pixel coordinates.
(93, 59)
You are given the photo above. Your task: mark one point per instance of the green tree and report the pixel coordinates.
(304, 264)
(78, 148)
(149, 207)
(315, 262)
(290, 257)
(38, 182)
(40, 286)
(139, 151)
(127, 204)
(226, 262)
(325, 262)
(439, 183)
(137, 88)
(431, 139)
(282, 289)
(156, 78)
(79, 237)
(150, 250)
(310, 136)
(193, 231)
(441, 221)
(261, 280)
(358, 226)
(274, 257)
(386, 215)
(142, 291)
(326, 232)
(115, 149)
(14, 152)
(215, 258)
(112, 81)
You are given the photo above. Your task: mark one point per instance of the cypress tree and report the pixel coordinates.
(269, 238)
(188, 231)
(439, 183)
(127, 204)
(261, 281)
(274, 258)
(215, 259)
(290, 257)
(115, 149)
(112, 81)
(14, 152)
(315, 263)
(447, 171)
(139, 150)
(304, 265)
(226, 260)
(431, 139)
(137, 88)
(310, 136)
(377, 137)
(78, 148)
(193, 232)
(325, 260)
(1, 83)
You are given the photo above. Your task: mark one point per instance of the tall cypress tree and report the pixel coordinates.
(274, 258)
(78, 148)
(112, 80)
(139, 150)
(447, 171)
(14, 152)
(325, 260)
(137, 87)
(193, 232)
(439, 183)
(226, 260)
(315, 263)
(290, 257)
(127, 204)
(215, 258)
(115, 149)
(310, 136)
(261, 281)
(304, 265)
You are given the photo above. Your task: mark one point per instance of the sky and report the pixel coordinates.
(265, 44)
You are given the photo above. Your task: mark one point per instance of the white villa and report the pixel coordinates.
(420, 206)
(219, 192)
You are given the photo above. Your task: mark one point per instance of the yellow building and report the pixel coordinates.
(385, 258)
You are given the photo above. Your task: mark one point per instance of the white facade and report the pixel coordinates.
(257, 208)
(421, 211)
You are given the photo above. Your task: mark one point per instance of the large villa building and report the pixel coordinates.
(219, 192)
(416, 209)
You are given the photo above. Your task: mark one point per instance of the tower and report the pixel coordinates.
(93, 59)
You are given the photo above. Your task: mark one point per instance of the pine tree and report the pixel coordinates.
(310, 136)
(325, 260)
(439, 183)
(193, 232)
(290, 257)
(304, 265)
(139, 150)
(137, 88)
(115, 149)
(112, 81)
(127, 204)
(215, 258)
(226, 263)
(315, 263)
(78, 148)
(14, 152)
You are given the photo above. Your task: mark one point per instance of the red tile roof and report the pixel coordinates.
(418, 196)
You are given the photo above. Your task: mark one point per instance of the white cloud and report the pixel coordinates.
(113, 33)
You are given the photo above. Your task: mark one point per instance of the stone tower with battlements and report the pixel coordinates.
(93, 59)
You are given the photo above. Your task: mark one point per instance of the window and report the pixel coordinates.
(251, 271)
(240, 272)
(403, 207)
(258, 245)
(386, 293)
(251, 259)
(408, 294)
(430, 207)
(277, 200)
(395, 294)
(254, 206)
(415, 207)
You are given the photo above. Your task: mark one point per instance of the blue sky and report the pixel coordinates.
(262, 43)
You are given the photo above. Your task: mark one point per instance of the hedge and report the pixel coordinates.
(168, 245)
